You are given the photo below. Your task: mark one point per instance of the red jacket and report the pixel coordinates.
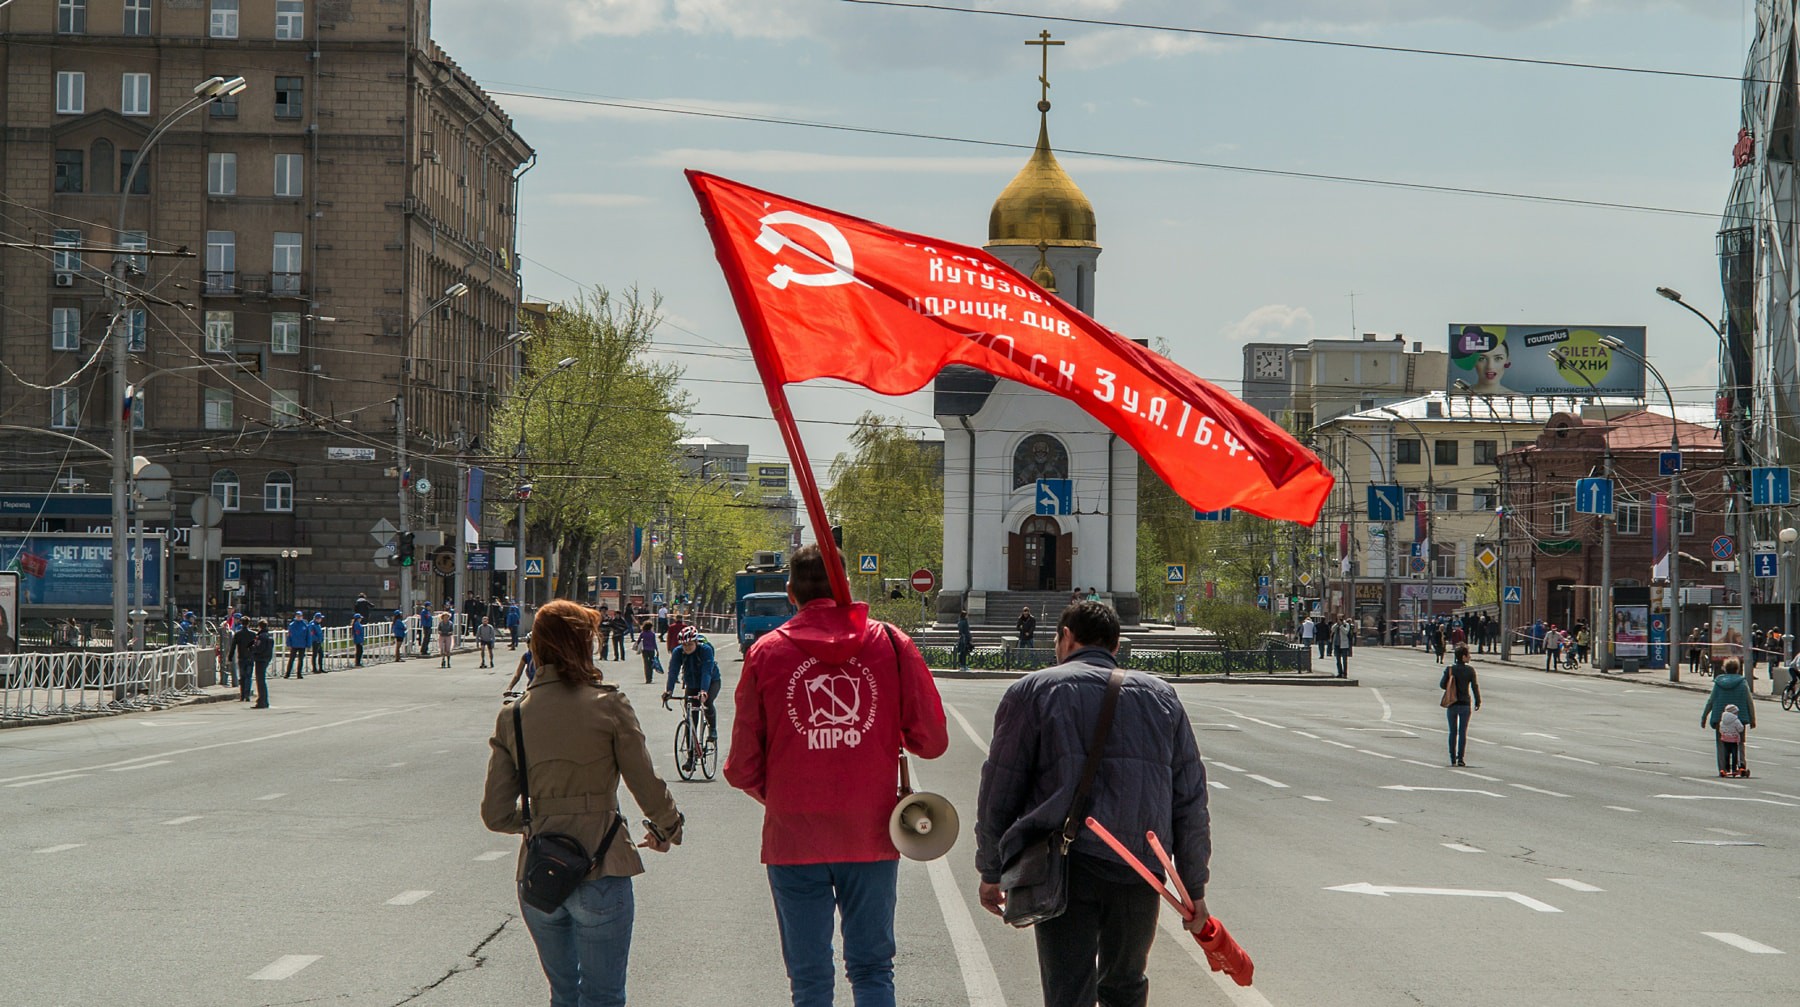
(823, 708)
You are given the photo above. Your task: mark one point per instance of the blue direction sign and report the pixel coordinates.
(1723, 547)
(480, 559)
(1263, 582)
(868, 562)
(1177, 573)
(1668, 463)
(1593, 496)
(1385, 502)
(233, 568)
(1213, 515)
(1762, 564)
(1769, 487)
(1055, 496)
(1514, 595)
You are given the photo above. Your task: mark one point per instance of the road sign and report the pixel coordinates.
(1486, 558)
(207, 511)
(923, 580)
(1593, 496)
(534, 567)
(480, 559)
(383, 532)
(1306, 579)
(423, 487)
(1418, 563)
(1762, 564)
(657, 598)
(1055, 496)
(231, 585)
(1385, 502)
(1213, 515)
(1177, 573)
(1668, 463)
(1769, 487)
(1724, 566)
(233, 568)
(1515, 595)
(1723, 547)
(869, 562)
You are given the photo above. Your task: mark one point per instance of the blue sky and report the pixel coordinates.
(1205, 259)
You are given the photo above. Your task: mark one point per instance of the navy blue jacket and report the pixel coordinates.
(697, 672)
(1150, 779)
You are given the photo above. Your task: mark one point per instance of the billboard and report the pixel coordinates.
(771, 477)
(70, 571)
(1515, 360)
(9, 612)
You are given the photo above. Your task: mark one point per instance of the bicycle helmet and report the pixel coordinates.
(689, 635)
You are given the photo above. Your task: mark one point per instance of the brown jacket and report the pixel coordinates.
(581, 739)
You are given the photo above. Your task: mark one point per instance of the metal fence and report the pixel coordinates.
(34, 686)
(1175, 663)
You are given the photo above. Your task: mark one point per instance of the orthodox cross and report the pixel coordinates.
(1044, 41)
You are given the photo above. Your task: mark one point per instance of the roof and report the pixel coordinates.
(1531, 410)
(1042, 205)
(1638, 430)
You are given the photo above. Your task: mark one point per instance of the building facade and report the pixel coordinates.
(280, 337)
(1303, 384)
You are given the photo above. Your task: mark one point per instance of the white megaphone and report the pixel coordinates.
(923, 826)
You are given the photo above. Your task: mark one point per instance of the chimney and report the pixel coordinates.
(1368, 337)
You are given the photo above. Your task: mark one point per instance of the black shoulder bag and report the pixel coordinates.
(555, 862)
(1037, 880)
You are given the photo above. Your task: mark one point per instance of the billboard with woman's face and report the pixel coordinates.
(9, 612)
(1516, 360)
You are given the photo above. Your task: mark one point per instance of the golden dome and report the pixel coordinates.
(1042, 204)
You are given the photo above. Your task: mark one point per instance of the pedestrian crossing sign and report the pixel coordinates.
(1177, 573)
(534, 566)
(1514, 595)
(869, 562)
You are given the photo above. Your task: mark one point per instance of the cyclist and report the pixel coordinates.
(692, 659)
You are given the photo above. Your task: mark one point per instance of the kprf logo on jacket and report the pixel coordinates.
(832, 706)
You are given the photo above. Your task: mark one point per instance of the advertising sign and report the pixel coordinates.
(1726, 631)
(9, 612)
(771, 477)
(1631, 630)
(1515, 360)
(68, 571)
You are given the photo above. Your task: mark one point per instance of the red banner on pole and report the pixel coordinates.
(827, 295)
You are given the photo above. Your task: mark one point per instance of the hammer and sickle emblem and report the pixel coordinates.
(839, 268)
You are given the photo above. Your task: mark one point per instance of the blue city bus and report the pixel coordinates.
(762, 601)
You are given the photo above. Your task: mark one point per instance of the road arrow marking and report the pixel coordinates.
(1378, 820)
(1462, 848)
(1364, 888)
(1573, 885)
(1723, 797)
(1444, 790)
(407, 898)
(1742, 943)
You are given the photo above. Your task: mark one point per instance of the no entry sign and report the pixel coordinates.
(923, 581)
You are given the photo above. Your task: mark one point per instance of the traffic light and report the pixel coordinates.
(404, 549)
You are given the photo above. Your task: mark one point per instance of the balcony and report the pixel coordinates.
(221, 284)
(284, 284)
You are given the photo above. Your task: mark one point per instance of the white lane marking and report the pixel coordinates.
(1421, 762)
(1483, 741)
(1537, 790)
(62, 847)
(1339, 744)
(183, 820)
(1742, 943)
(1777, 793)
(968, 728)
(1567, 688)
(395, 765)
(1634, 769)
(1462, 848)
(1387, 712)
(1723, 797)
(1443, 790)
(1615, 807)
(1378, 820)
(1573, 885)
(1214, 727)
(1476, 776)
(1225, 765)
(1277, 784)
(1571, 758)
(284, 967)
(1216, 785)
(1316, 797)
(1713, 782)
(1364, 888)
(493, 854)
(1378, 755)
(409, 897)
(1303, 734)
(1240, 996)
(1528, 751)
(49, 779)
(1386, 730)
(1726, 832)
(141, 765)
(441, 751)
(1264, 723)
(1713, 842)
(271, 797)
(1538, 734)
(980, 980)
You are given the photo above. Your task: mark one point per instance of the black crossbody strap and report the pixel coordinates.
(1078, 806)
(519, 753)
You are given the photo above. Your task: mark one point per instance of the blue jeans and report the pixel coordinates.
(806, 896)
(1458, 716)
(584, 945)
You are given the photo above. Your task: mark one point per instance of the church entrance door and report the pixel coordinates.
(1041, 557)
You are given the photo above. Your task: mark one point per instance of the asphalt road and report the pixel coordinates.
(329, 851)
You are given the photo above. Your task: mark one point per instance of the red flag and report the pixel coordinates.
(827, 295)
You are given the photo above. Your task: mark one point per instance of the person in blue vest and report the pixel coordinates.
(399, 635)
(425, 625)
(317, 641)
(186, 628)
(299, 637)
(357, 632)
(513, 618)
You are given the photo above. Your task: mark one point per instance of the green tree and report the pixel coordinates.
(888, 494)
(718, 527)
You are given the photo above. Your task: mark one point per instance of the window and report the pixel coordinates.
(137, 330)
(1444, 500)
(1039, 456)
(65, 328)
(66, 262)
(1487, 452)
(140, 407)
(284, 332)
(284, 408)
(134, 94)
(221, 174)
(100, 159)
(71, 92)
(71, 17)
(278, 492)
(140, 182)
(221, 331)
(1444, 561)
(1406, 451)
(290, 19)
(1484, 498)
(289, 169)
(287, 97)
(226, 489)
(221, 262)
(224, 19)
(1560, 507)
(1444, 452)
(225, 106)
(68, 171)
(218, 409)
(137, 17)
(1628, 514)
(135, 239)
(284, 273)
(1686, 510)
(65, 408)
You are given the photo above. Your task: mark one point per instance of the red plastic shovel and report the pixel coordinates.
(1223, 953)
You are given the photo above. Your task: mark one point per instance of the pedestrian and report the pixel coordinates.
(357, 634)
(1093, 594)
(484, 642)
(399, 635)
(557, 758)
(1438, 635)
(1343, 642)
(299, 637)
(363, 606)
(1027, 627)
(621, 628)
(265, 656)
(446, 631)
(425, 626)
(662, 619)
(243, 649)
(826, 792)
(525, 669)
(1694, 650)
(1324, 635)
(1552, 646)
(1147, 778)
(672, 636)
(1467, 690)
(316, 640)
(1730, 690)
(646, 647)
(1307, 632)
(1381, 630)
(514, 617)
(1731, 738)
(184, 631)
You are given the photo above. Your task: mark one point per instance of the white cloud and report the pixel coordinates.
(596, 199)
(1272, 323)
(801, 161)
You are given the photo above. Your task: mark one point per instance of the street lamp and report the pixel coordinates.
(450, 293)
(1787, 536)
(1603, 623)
(1387, 542)
(1618, 346)
(524, 490)
(1430, 515)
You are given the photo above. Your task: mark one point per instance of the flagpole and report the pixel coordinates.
(774, 384)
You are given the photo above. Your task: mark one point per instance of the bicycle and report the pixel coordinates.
(696, 751)
(1790, 696)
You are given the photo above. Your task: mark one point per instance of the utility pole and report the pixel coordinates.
(406, 605)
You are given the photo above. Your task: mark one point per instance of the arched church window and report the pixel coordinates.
(1039, 456)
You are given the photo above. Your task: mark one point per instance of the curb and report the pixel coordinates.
(1620, 676)
(72, 718)
(1330, 681)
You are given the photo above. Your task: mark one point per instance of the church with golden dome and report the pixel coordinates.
(1040, 499)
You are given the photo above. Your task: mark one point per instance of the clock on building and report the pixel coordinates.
(1270, 363)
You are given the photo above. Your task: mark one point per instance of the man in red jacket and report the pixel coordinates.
(824, 706)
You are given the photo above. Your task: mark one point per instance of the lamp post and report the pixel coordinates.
(206, 92)
(524, 489)
(1787, 536)
(1430, 515)
(1614, 344)
(1603, 626)
(451, 293)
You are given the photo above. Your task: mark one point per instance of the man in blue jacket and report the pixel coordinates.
(317, 640)
(399, 635)
(513, 618)
(1150, 779)
(357, 634)
(698, 671)
(299, 637)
